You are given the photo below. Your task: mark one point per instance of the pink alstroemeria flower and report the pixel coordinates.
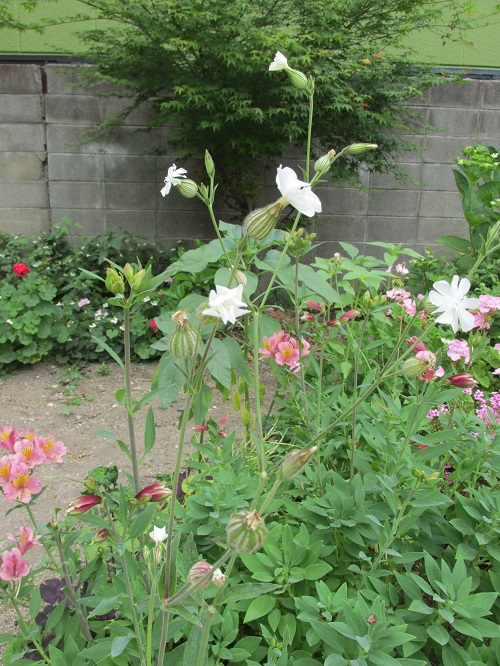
(271, 344)
(287, 353)
(27, 452)
(21, 485)
(13, 566)
(5, 465)
(8, 436)
(52, 450)
(26, 540)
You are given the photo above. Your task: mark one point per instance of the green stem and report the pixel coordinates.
(149, 636)
(70, 590)
(299, 338)
(129, 404)
(26, 631)
(258, 412)
(354, 393)
(46, 548)
(189, 588)
(210, 612)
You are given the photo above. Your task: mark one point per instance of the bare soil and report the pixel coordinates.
(46, 398)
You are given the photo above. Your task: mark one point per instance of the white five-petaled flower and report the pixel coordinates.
(226, 304)
(296, 192)
(159, 534)
(279, 62)
(173, 177)
(451, 301)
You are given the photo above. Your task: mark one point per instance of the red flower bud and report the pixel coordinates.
(82, 504)
(153, 325)
(350, 314)
(155, 492)
(464, 380)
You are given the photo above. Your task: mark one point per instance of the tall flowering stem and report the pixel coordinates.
(129, 399)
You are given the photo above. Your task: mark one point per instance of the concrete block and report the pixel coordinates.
(422, 100)
(128, 141)
(393, 203)
(70, 80)
(73, 194)
(67, 138)
(19, 194)
(20, 138)
(444, 150)
(388, 181)
(24, 221)
(92, 221)
(411, 156)
(75, 167)
(174, 201)
(489, 124)
(131, 168)
(440, 204)
(22, 166)
(438, 177)
(391, 229)
(133, 196)
(432, 228)
(138, 221)
(340, 228)
(172, 224)
(73, 110)
(491, 94)
(454, 122)
(21, 109)
(342, 200)
(20, 78)
(468, 94)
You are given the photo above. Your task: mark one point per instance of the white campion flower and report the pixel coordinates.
(279, 62)
(226, 304)
(159, 534)
(174, 177)
(451, 301)
(296, 192)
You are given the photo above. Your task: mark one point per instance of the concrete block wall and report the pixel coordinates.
(47, 173)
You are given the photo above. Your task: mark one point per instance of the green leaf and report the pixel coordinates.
(246, 591)
(149, 431)
(461, 245)
(107, 348)
(201, 403)
(439, 634)
(119, 644)
(219, 363)
(104, 606)
(238, 362)
(141, 523)
(260, 606)
(316, 571)
(56, 615)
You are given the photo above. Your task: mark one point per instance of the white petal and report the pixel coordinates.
(462, 287)
(166, 188)
(466, 320)
(305, 201)
(279, 62)
(287, 181)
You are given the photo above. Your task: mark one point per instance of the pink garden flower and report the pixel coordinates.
(52, 450)
(287, 354)
(13, 566)
(26, 540)
(82, 302)
(26, 451)
(5, 465)
(398, 294)
(8, 436)
(271, 344)
(21, 485)
(458, 349)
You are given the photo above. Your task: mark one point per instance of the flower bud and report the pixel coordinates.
(360, 148)
(114, 281)
(197, 572)
(323, 163)
(414, 367)
(182, 341)
(188, 188)
(82, 504)
(241, 278)
(138, 280)
(128, 272)
(463, 380)
(295, 462)
(101, 535)
(350, 314)
(209, 164)
(298, 79)
(371, 619)
(337, 259)
(418, 473)
(260, 222)
(155, 492)
(246, 531)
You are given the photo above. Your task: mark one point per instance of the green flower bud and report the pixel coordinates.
(246, 531)
(128, 272)
(295, 462)
(360, 148)
(209, 164)
(188, 188)
(137, 281)
(298, 79)
(260, 222)
(114, 281)
(324, 162)
(182, 342)
(414, 367)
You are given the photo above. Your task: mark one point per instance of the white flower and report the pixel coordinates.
(173, 177)
(279, 62)
(159, 534)
(296, 192)
(218, 578)
(451, 301)
(226, 304)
